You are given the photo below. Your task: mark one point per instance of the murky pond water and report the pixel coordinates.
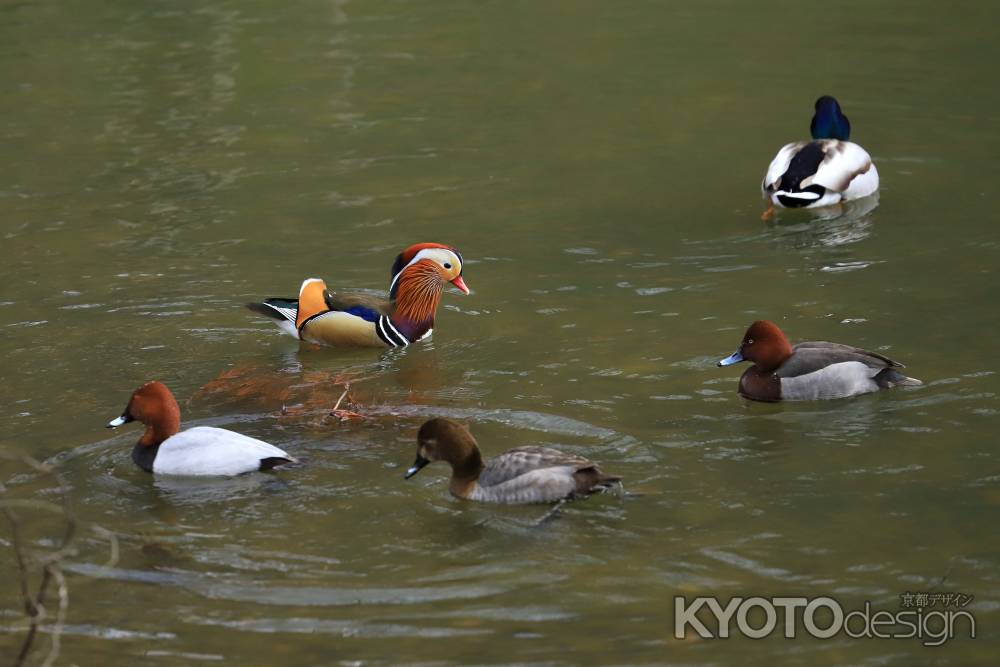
(597, 164)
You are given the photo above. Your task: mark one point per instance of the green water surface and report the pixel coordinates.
(598, 165)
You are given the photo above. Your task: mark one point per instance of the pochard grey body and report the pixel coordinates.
(811, 370)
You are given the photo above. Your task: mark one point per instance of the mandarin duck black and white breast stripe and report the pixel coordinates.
(418, 277)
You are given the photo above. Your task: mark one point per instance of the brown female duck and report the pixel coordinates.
(519, 476)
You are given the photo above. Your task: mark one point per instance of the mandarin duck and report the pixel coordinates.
(418, 276)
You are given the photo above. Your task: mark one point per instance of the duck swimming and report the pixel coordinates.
(164, 449)
(811, 370)
(825, 171)
(522, 475)
(418, 276)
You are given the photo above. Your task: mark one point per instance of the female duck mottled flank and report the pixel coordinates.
(825, 171)
(204, 450)
(522, 475)
(418, 276)
(811, 370)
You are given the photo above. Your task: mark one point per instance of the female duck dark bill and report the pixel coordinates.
(202, 450)
(811, 370)
(418, 276)
(522, 475)
(822, 172)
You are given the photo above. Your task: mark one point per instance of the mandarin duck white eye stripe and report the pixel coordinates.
(445, 257)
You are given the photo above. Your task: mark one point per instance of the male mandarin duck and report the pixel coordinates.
(164, 449)
(356, 320)
(522, 475)
(811, 370)
(825, 171)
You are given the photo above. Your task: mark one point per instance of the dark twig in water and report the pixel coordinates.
(51, 570)
(551, 514)
(345, 415)
(944, 577)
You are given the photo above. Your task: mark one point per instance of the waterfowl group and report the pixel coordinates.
(823, 171)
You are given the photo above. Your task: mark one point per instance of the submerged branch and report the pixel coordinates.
(49, 561)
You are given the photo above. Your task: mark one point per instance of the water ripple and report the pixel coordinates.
(209, 587)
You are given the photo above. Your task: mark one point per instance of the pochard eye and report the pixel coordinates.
(749, 341)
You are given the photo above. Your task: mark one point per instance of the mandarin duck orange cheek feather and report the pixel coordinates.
(419, 274)
(811, 370)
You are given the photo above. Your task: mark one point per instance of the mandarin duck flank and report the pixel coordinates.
(825, 171)
(204, 450)
(811, 370)
(418, 276)
(519, 476)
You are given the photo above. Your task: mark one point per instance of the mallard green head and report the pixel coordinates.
(829, 122)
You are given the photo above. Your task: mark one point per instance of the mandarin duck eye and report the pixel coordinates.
(447, 265)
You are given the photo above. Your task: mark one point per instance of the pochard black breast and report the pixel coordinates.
(814, 370)
(201, 451)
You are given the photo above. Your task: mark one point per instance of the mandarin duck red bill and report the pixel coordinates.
(419, 275)
(811, 370)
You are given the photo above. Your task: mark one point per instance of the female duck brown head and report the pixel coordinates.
(446, 440)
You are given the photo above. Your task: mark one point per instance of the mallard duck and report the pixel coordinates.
(522, 475)
(418, 276)
(204, 450)
(825, 171)
(811, 370)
